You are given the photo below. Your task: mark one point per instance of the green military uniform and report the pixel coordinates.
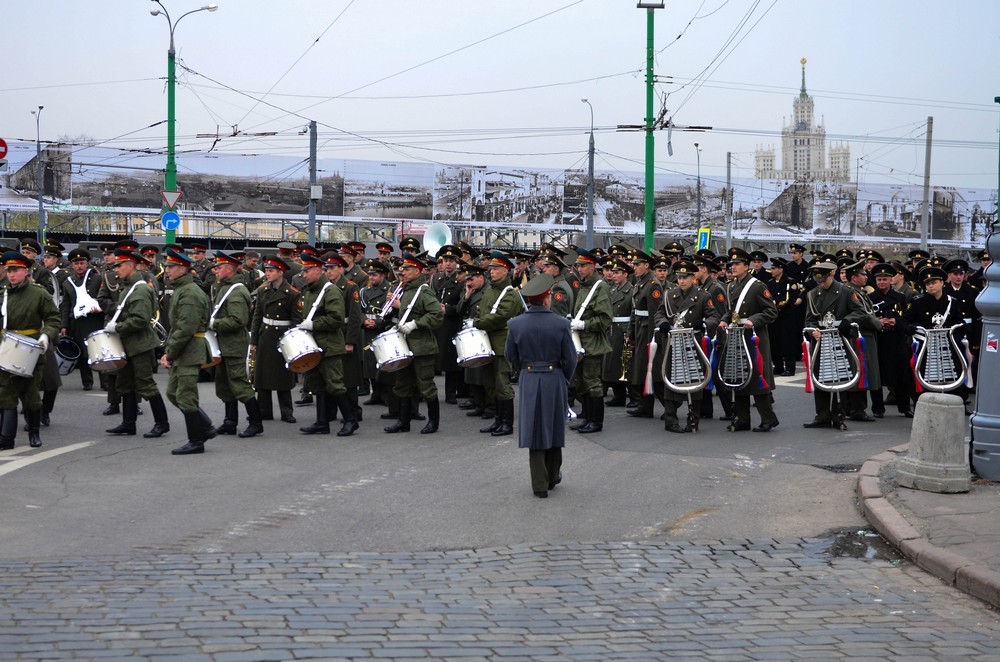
(328, 331)
(596, 320)
(107, 296)
(186, 348)
(496, 374)
(137, 336)
(229, 320)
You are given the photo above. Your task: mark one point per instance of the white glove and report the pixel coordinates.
(577, 325)
(211, 324)
(306, 325)
(43, 340)
(110, 327)
(408, 328)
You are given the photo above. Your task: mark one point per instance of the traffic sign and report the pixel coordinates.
(3, 148)
(170, 220)
(171, 198)
(704, 238)
(3, 165)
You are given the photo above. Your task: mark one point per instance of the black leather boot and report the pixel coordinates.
(415, 409)
(584, 418)
(285, 407)
(506, 409)
(403, 424)
(433, 415)
(497, 420)
(254, 418)
(161, 423)
(195, 424)
(8, 428)
(306, 399)
(208, 430)
(347, 411)
(322, 424)
(33, 418)
(232, 418)
(596, 423)
(265, 404)
(48, 404)
(130, 408)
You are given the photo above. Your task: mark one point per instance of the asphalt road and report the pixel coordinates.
(87, 493)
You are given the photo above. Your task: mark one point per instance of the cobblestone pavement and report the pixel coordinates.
(739, 600)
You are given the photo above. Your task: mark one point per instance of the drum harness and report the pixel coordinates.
(218, 307)
(85, 303)
(121, 304)
(3, 312)
(583, 308)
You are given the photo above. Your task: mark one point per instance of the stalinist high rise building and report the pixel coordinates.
(803, 148)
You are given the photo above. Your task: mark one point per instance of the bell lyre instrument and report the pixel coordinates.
(735, 363)
(834, 366)
(686, 369)
(940, 364)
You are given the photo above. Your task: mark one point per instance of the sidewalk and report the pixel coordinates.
(953, 536)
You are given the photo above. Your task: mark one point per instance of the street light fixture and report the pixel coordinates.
(698, 184)
(590, 180)
(170, 177)
(38, 158)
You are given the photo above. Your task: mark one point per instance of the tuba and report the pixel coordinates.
(735, 365)
(436, 236)
(834, 363)
(940, 364)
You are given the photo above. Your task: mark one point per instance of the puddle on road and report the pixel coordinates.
(854, 543)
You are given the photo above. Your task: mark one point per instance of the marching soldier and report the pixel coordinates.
(334, 267)
(786, 332)
(81, 312)
(757, 270)
(869, 325)
(324, 315)
(964, 293)
(500, 303)
(419, 316)
(645, 300)
(705, 280)
(373, 297)
(591, 320)
(27, 310)
(51, 276)
(750, 305)
(276, 311)
(229, 320)
(186, 350)
(202, 267)
(562, 292)
(978, 279)
(830, 302)
(448, 291)
(616, 362)
(349, 254)
(684, 306)
(129, 319)
(893, 344)
(468, 309)
(796, 269)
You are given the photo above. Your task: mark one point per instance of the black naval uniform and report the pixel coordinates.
(276, 311)
(449, 293)
(921, 313)
(786, 331)
(893, 352)
(758, 308)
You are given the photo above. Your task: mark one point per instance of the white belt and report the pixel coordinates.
(270, 322)
(621, 320)
(170, 291)
(641, 313)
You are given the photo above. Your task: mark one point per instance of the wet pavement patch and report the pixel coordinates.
(839, 468)
(855, 544)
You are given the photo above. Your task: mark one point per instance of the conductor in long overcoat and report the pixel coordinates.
(541, 342)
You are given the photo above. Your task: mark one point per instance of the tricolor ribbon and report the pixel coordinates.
(913, 368)
(758, 361)
(808, 367)
(859, 342)
(709, 348)
(647, 386)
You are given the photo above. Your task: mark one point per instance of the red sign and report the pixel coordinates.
(3, 148)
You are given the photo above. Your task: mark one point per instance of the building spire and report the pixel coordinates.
(802, 92)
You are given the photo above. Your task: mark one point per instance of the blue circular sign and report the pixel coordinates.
(171, 220)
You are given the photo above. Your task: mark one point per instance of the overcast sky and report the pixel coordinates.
(500, 83)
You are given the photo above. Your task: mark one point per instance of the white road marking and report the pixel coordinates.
(21, 462)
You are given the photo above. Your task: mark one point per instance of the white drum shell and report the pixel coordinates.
(19, 354)
(300, 350)
(213, 349)
(68, 354)
(392, 353)
(105, 351)
(473, 347)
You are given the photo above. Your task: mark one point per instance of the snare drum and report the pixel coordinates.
(213, 349)
(105, 351)
(67, 355)
(19, 354)
(300, 350)
(391, 351)
(578, 343)
(473, 347)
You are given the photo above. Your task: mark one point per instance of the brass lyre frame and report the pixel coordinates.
(814, 359)
(922, 353)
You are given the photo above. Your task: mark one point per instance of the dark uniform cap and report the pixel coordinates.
(332, 259)
(226, 258)
(474, 269)
(198, 248)
(844, 252)
(287, 246)
(410, 244)
(379, 266)
(844, 261)
(737, 254)
(673, 248)
(639, 256)
(796, 248)
(619, 250)
(919, 265)
(348, 249)
(123, 255)
(411, 260)
(14, 260)
(107, 248)
(449, 250)
(938, 260)
(983, 255)
(553, 259)
(176, 247)
(606, 262)
(274, 262)
(583, 256)
(685, 267)
(621, 265)
(538, 286)
(306, 249)
(596, 252)
(705, 253)
(56, 244)
(875, 255)
(550, 248)
(918, 254)
(956, 265)
(383, 247)
(827, 257)
(311, 260)
(500, 259)
(823, 267)
(79, 254)
(707, 262)
(854, 269)
(177, 257)
(358, 246)
(53, 250)
(883, 269)
(31, 244)
(901, 269)
(932, 273)
(662, 262)
(816, 253)
(758, 256)
(778, 262)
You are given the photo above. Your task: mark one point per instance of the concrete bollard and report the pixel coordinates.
(938, 459)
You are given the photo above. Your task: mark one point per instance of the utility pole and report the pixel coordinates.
(41, 177)
(650, 125)
(590, 181)
(729, 200)
(313, 197)
(925, 217)
(698, 187)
